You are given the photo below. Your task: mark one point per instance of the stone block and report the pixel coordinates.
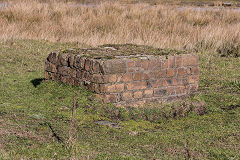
(136, 85)
(123, 78)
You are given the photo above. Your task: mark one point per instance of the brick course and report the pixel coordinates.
(127, 79)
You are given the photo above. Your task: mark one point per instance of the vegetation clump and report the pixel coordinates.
(110, 51)
(229, 50)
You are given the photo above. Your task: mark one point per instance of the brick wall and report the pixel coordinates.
(127, 79)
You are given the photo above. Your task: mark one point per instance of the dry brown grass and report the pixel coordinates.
(160, 25)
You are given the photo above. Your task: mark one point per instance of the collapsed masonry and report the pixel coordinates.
(126, 74)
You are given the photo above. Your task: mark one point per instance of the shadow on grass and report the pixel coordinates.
(37, 81)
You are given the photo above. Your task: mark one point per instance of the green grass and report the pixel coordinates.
(31, 111)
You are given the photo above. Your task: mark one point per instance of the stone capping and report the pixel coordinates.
(134, 79)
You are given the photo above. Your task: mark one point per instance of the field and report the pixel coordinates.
(36, 116)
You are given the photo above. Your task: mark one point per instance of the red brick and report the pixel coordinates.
(77, 61)
(160, 92)
(100, 96)
(56, 77)
(115, 88)
(130, 64)
(111, 88)
(71, 60)
(98, 78)
(111, 98)
(170, 72)
(82, 62)
(131, 70)
(193, 79)
(114, 66)
(174, 81)
(91, 87)
(190, 60)
(148, 93)
(179, 81)
(158, 62)
(146, 76)
(137, 63)
(164, 63)
(160, 73)
(50, 67)
(73, 73)
(87, 65)
(145, 64)
(63, 79)
(63, 70)
(152, 64)
(137, 85)
(52, 57)
(120, 87)
(79, 74)
(102, 88)
(70, 80)
(119, 77)
(112, 78)
(165, 83)
(157, 83)
(138, 94)
(46, 75)
(127, 96)
(188, 70)
(180, 90)
(171, 82)
(171, 61)
(96, 67)
(181, 72)
(63, 59)
(179, 62)
(171, 91)
(138, 76)
(127, 77)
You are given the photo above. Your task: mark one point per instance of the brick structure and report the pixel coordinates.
(124, 78)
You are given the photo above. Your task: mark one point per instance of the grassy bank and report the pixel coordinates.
(35, 116)
(164, 26)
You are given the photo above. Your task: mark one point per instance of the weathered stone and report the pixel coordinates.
(127, 96)
(137, 85)
(77, 61)
(160, 92)
(49, 67)
(63, 59)
(71, 60)
(114, 66)
(138, 94)
(52, 57)
(64, 70)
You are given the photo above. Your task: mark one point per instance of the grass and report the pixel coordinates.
(161, 25)
(35, 115)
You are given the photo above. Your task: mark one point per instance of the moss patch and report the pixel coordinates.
(109, 51)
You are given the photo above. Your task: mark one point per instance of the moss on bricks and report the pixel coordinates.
(110, 51)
